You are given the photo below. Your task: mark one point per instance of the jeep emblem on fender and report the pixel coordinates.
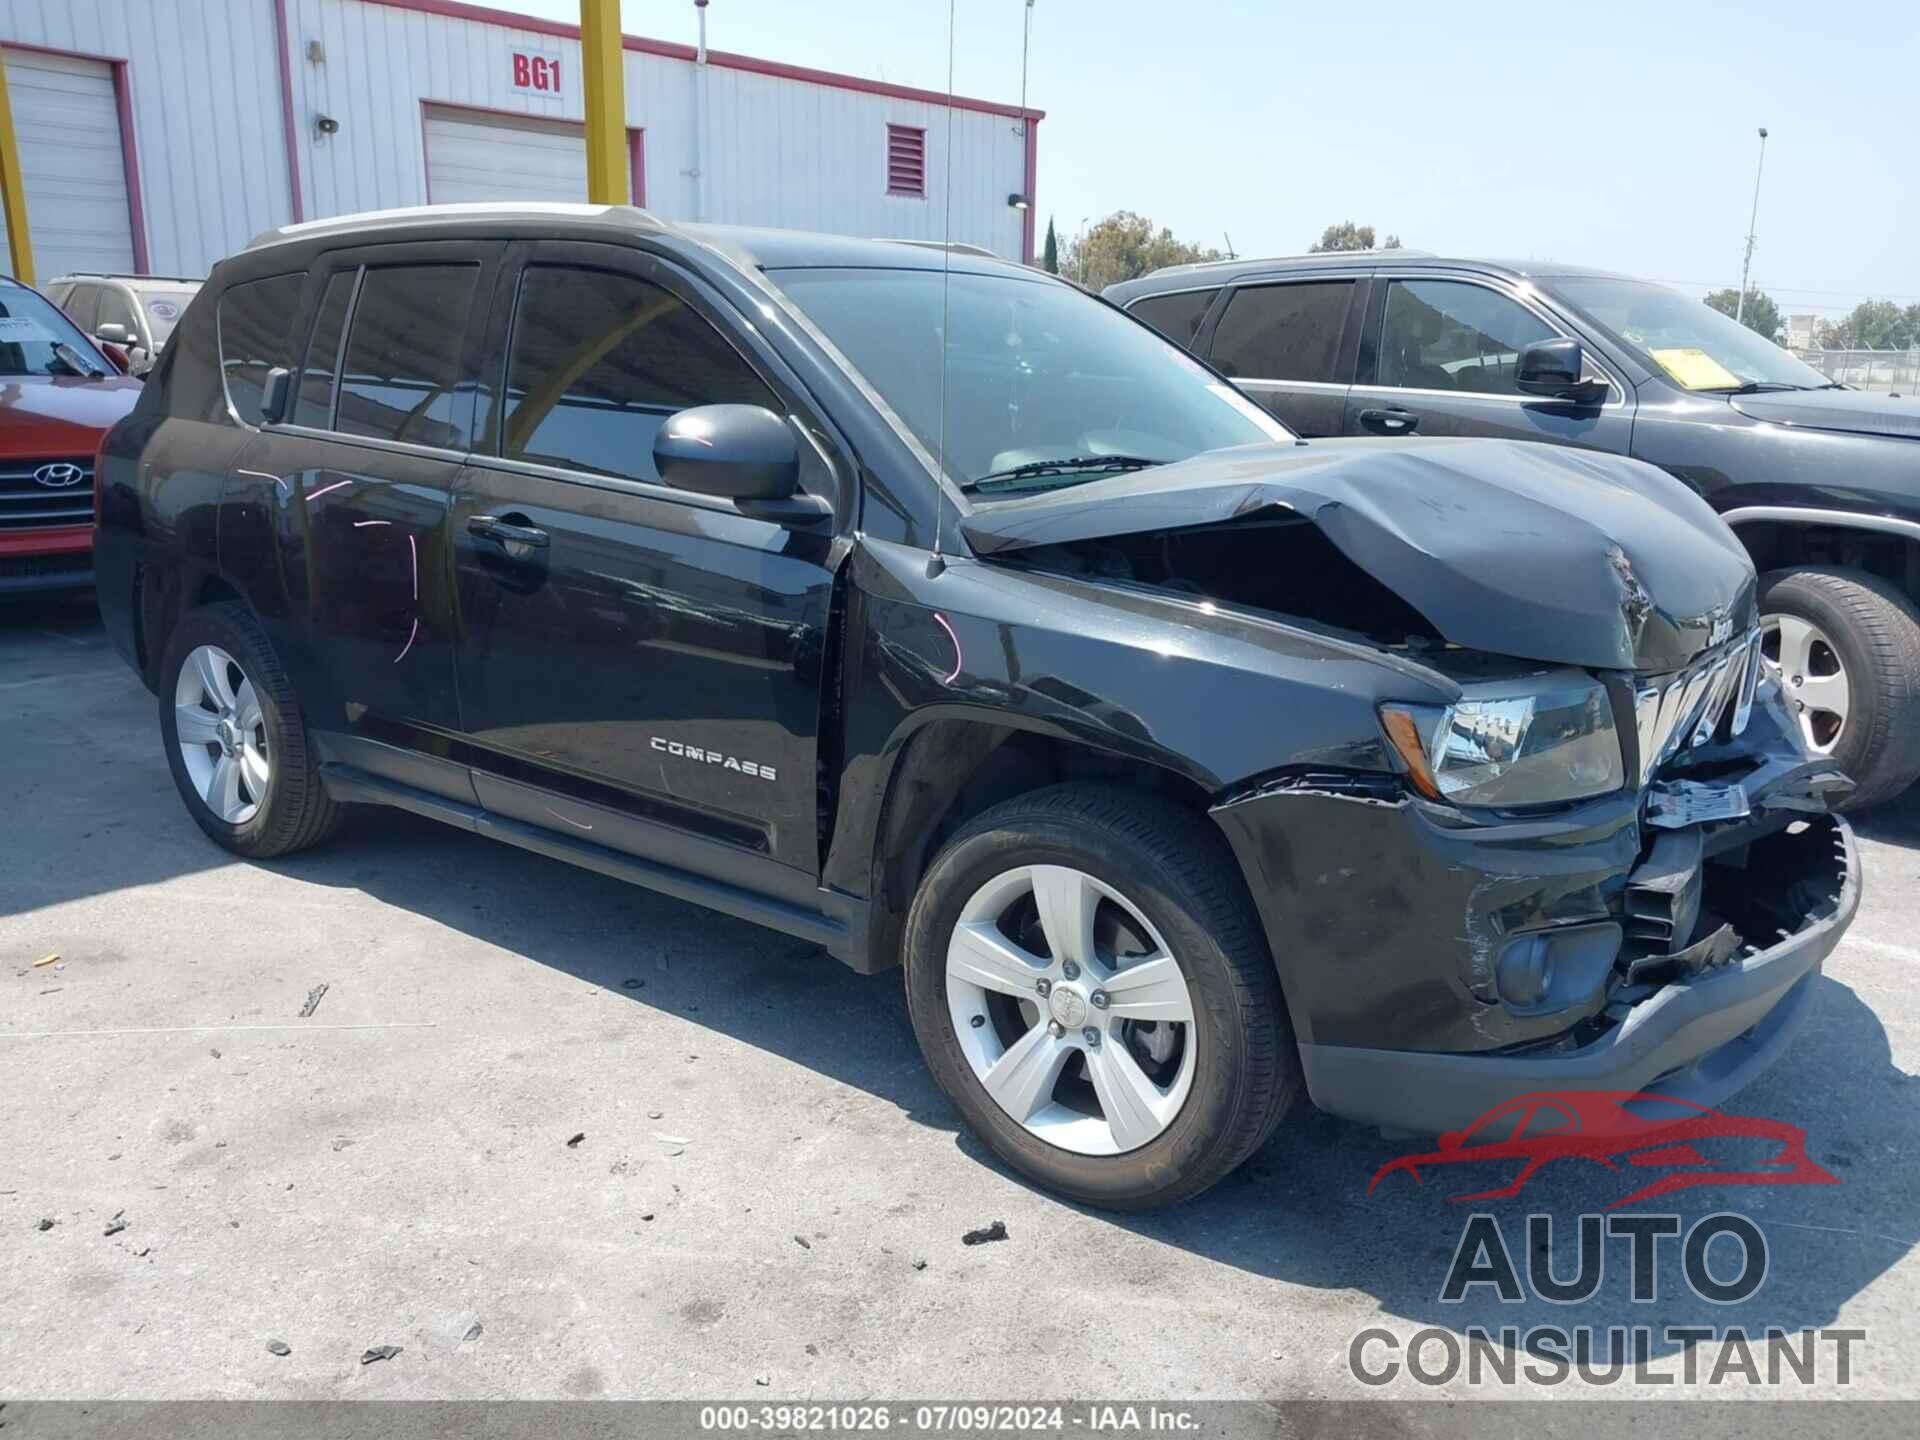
(60, 475)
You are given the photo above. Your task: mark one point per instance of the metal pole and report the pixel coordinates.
(13, 188)
(700, 111)
(1740, 306)
(606, 102)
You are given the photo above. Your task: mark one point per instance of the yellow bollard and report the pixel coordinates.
(606, 101)
(13, 187)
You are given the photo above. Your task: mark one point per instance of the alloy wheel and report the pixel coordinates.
(222, 734)
(1071, 1009)
(1803, 658)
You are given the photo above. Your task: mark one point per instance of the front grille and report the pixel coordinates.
(1691, 706)
(27, 504)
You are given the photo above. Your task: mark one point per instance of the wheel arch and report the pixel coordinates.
(165, 593)
(950, 768)
(1780, 537)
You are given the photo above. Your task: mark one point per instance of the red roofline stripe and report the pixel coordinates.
(487, 15)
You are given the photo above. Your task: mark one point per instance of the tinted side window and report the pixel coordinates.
(1283, 332)
(81, 305)
(1450, 335)
(599, 361)
(1175, 316)
(256, 334)
(116, 309)
(402, 365)
(315, 404)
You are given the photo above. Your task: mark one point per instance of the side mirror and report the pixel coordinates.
(273, 395)
(1552, 369)
(743, 453)
(114, 333)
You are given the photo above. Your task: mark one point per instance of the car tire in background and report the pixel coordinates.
(1845, 647)
(235, 739)
(1149, 1057)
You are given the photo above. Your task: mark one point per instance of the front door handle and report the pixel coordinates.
(1392, 421)
(508, 530)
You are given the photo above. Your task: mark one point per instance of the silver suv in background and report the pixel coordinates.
(135, 312)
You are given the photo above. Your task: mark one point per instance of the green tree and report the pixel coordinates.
(1125, 245)
(1346, 236)
(1050, 255)
(1761, 316)
(1881, 324)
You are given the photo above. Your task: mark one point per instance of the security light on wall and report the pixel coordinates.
(326, 124)
(1016, 201)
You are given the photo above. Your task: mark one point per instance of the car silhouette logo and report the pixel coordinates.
(1684, 1145)
(60, 475)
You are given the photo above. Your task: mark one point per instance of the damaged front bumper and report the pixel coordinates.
(1666, 940)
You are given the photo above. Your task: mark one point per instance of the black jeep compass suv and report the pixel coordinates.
(920, 605)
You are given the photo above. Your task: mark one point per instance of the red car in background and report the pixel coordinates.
(59, 395)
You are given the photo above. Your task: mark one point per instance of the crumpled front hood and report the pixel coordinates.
(1532, 551)
(1858, 412)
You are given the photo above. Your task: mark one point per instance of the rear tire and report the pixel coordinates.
(1822, 621)
(1163, 886)
(259, 770)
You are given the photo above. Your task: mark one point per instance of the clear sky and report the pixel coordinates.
(1619, 134)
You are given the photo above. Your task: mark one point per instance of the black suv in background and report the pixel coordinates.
(929, 609)
(1821, 483)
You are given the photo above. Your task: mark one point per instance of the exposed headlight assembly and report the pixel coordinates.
(1511, 744)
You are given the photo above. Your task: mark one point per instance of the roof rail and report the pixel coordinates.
(129, 275)
(1317, 257)
(957, 247)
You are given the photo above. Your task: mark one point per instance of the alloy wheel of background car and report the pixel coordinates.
(222, 734)
(1852, 642)
(1813, 679)
(1071, 1009)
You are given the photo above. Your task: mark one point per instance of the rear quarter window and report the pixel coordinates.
(1283, 332)
(1176, 316)
(256, 336)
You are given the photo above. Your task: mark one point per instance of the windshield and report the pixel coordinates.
(1041, 379)
(1692, 343)
(36, 339)
(164, 309)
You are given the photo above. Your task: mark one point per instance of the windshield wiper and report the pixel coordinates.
(1065, 465)
(1757, 387)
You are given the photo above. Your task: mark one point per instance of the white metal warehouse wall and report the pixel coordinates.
(210, 123)
(204, 89)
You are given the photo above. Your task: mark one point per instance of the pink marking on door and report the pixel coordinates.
(959, 657)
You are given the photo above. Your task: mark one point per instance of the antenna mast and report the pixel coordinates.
(937, 562)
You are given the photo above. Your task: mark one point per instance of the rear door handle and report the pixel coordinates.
(508, 531)
(1394, 421)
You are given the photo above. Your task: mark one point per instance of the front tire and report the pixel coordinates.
(235, 739)
(1089, 984)
(1845, 647)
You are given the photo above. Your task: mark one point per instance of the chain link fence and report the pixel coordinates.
(1896, 371)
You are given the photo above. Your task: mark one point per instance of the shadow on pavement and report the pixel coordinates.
(98, 813)
(1298, 1212)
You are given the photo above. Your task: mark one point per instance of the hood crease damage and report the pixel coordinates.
(1528, 551)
